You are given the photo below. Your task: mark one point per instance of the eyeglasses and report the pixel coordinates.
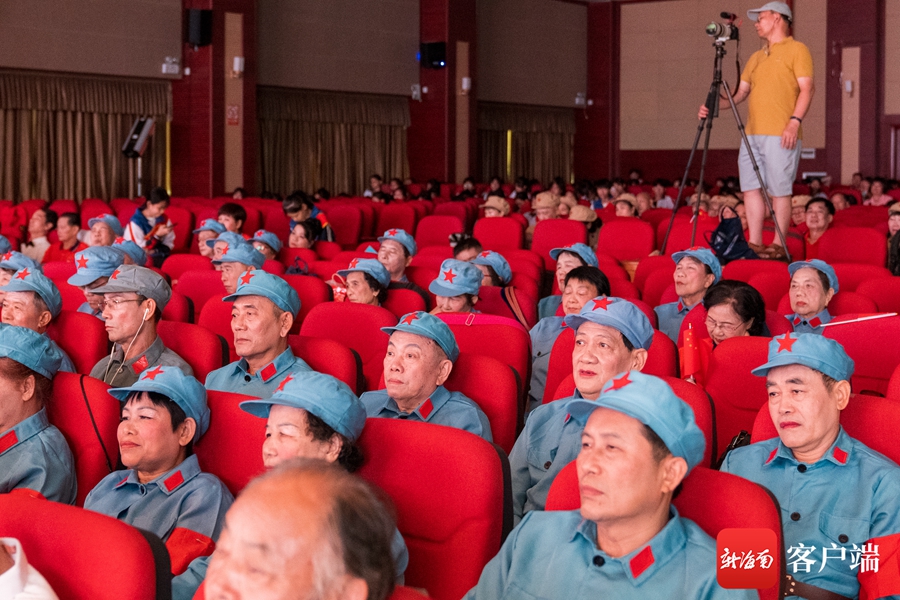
(114, 304)
(725, 327)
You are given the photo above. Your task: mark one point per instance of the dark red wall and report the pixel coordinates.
(198, 122)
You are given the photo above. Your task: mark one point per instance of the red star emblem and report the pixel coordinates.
(23, 273)
(785, 343)
(115, 274)
(619, 383)
(246, 277)
(120, 240)
(410, 318)
(284, 383)
(603, 303)
(152, 374)
(392, 233)
(7, 256)
(353, 263)
(82, 261)
(485, 254)
(259, 233)
(693, 248)
(449, 275)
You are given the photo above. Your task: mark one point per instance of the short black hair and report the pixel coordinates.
(829, 205)
(468, 243)
(744, 299)
(51, 217)
(591, 275)
(72, 219)
(381, 292)
(176, 412)
(157, 196)
(350, 456)
(312, 228)
(235, 211)
(296, 201)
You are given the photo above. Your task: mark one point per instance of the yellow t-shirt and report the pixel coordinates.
(773, 85)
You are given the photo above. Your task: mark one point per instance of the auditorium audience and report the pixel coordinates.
(64, 250)
(41, 223)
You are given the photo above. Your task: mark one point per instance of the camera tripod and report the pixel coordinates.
(712, 104)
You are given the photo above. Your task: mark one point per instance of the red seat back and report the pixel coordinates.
(200, 286)
(179, 308)
(329, 357)
(491, 384)
(215, 317)
(79, 403)
(92, 208)
(736, 392)
(509, 342)
(396, 216)
(626, 239)
(435, 230)
(81, 336)
(884, 292)
(182, 225)
(72, 297)
(85, 555)
(59, 270)
(357, 326)
(491, 302)
(744, 269)
(346, 220)
(650, 264)
(680, 236)
(713, 500)
(202, 349)
(851, 275)
(290, 256)
(556, 233)
(231, 449)
(311, 290)
(274, 267)
(656, 285)
(853, 245)
(448, 489)
(499, 233)
(455, 209)
(873, 347)
(401, 301)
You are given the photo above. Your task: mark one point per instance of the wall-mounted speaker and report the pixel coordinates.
(198, 26)
(433, 55)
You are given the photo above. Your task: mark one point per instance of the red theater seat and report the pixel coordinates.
(556, 233)
(736, 392)
(81, 336)
(85, 555)
(884, 292)
(329, 357)
(713, 500)
(182, 225)
(357, 326)
(59, 270)
(88, 417)
(179, 308)
(499, 233)
(450, 492)
(492, 302)
(396, 216)
(651, 264)
(874, 349)
(312, 291)
(346, 220)
(435, 230)
(200, 286)
(202, 349)
(401, 302)
(176, 264)
(626, 239)
(853, 245)
(851, 275)
(231, 449)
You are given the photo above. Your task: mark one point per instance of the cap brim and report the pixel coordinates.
(257, 408)
(114, 288)
(787, 359)
(87, 277)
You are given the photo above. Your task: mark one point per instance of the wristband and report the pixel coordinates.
(799, 120)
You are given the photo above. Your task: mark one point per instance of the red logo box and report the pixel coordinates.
(747, 558)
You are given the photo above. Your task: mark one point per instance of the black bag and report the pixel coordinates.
(727, 240)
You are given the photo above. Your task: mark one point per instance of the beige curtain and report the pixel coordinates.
(492, 150)
(310, 139)
(543, 140)
(61, 135)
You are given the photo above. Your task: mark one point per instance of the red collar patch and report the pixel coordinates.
(173, 481)
(680, 306)
(568, 418)
(426, 408)
(772, 455)
(641, 562)
(840, 455)
(8, 441)
(815, 322)
(796, 321)
(268, 372)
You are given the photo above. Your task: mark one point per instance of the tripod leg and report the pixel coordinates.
(687, 168)
(762, 185)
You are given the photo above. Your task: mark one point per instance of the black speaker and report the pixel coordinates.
(198, 26)
(433, 55)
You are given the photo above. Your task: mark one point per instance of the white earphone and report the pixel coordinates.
(146, 312)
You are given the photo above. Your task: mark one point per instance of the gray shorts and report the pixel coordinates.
(777, 165)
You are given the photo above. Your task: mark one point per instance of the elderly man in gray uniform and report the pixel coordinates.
(133, 301)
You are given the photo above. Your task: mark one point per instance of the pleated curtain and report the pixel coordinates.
(312, 139)
(61, 135)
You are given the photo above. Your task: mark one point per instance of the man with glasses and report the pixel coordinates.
(133, 301)
(94, 266)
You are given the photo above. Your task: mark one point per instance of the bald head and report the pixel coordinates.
(306, 529)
